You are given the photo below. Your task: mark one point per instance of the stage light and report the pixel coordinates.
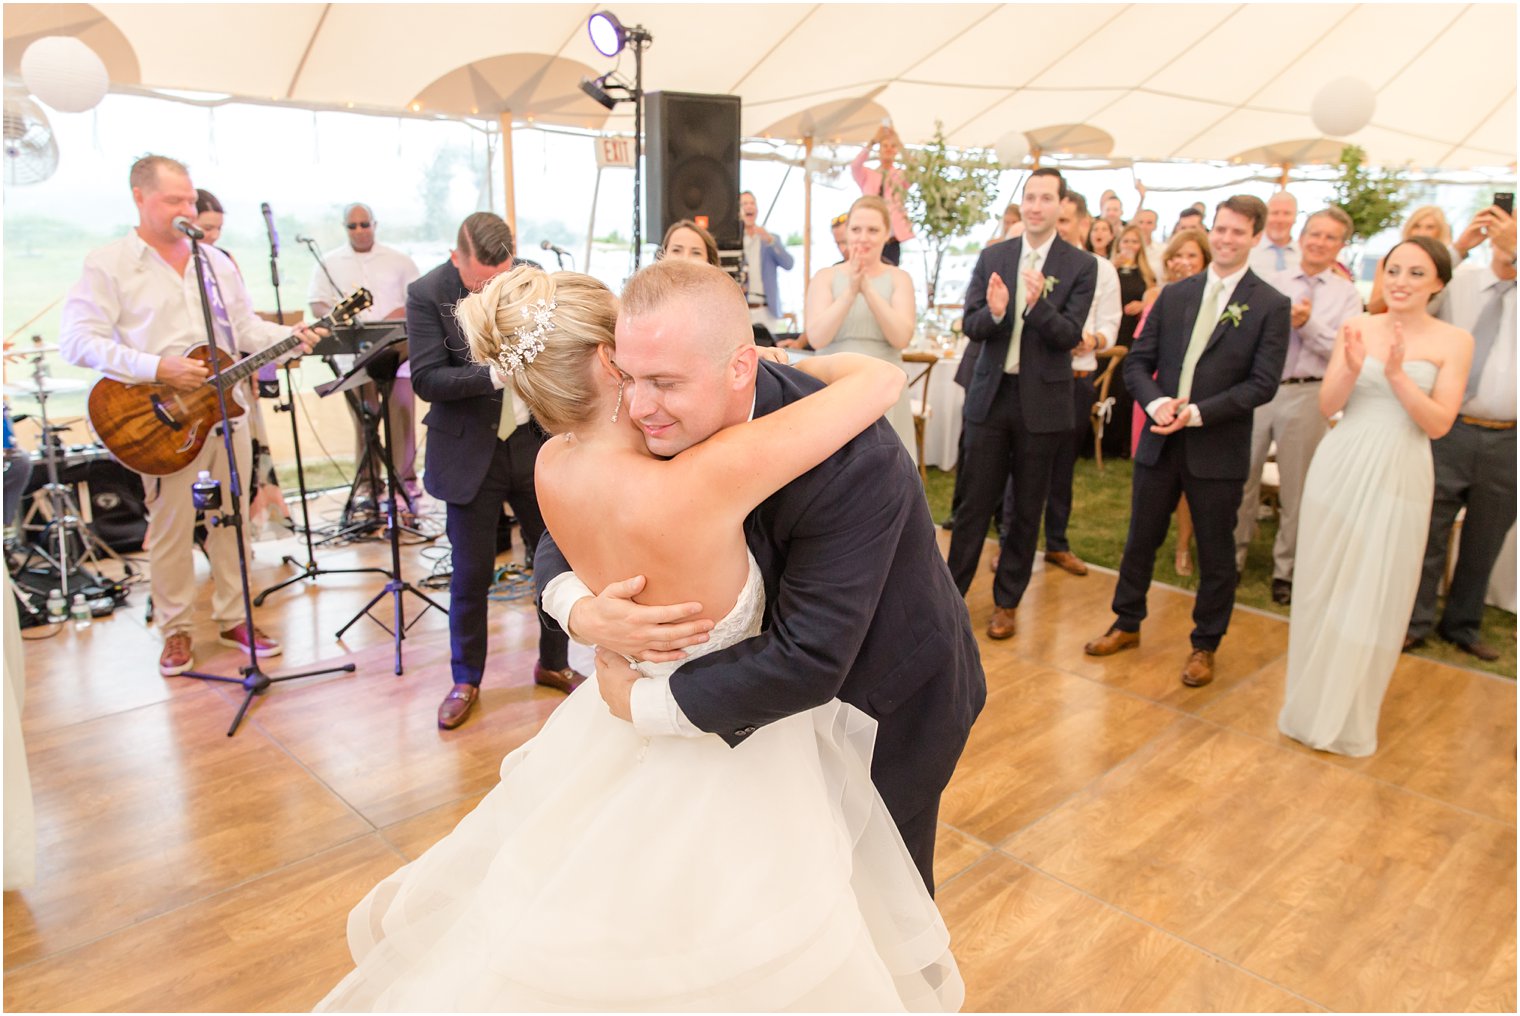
(594, 88)
(607, 34)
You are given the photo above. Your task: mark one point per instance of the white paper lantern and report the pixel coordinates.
(64, 73)
(1012, 149)
(1343, 107)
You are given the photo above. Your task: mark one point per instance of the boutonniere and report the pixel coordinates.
(1051, 282)
(1234, 312)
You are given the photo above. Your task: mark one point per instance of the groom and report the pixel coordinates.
(859, 603)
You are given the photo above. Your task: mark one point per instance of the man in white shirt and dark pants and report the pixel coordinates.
(1098, 333)
(385, 272)
(1323, 301)
(1475, 461)
(133, 316)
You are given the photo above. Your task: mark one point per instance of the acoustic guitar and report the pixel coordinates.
(158, 430)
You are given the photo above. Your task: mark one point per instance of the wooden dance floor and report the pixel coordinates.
(1112, 840)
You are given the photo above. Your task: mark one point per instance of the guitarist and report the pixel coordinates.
(133, 316)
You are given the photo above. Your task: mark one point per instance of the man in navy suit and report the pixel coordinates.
(480, 453)
(1211, 351)
(1025, 307)
(763, 255)
(859, 605)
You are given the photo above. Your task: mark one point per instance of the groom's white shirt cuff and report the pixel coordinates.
(654, 708)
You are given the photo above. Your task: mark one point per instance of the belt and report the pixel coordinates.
(755, 306)
(1081, 373)
(1302, 380)
(1478, 421)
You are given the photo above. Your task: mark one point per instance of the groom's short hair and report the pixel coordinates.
(672, 280)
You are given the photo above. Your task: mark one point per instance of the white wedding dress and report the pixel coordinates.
(607, 871)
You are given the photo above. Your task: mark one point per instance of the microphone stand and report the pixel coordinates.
(253, 680)
(309, 570)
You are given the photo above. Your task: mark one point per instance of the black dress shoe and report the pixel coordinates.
(1282, 592)
(1413, 642)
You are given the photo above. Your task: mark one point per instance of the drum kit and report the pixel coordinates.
(67, 553)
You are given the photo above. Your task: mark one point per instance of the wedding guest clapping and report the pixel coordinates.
(1400, 378)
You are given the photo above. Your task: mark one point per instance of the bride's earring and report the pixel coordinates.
(619, 406)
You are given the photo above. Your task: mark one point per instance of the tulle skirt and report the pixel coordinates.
(612, 872)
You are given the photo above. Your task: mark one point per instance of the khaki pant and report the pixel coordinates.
(171, 538)
(1294, 421)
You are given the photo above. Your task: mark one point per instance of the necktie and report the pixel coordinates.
(1486, 330)
(508, 422)
(1282, 257)
(1208, 317)
(1020, 304)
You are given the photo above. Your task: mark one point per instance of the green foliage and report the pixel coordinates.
(1374, 200)
(613, 238)
(949, 194)
(793, 240)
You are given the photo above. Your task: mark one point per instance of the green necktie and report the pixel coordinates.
(508, 422)
(1020, 304)
(1208, 317)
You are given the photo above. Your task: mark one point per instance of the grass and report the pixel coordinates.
(1100, 520)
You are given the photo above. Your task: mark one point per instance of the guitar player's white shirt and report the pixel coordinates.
(130, 307)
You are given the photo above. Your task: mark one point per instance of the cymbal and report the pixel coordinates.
(20, 354)
(50, 385)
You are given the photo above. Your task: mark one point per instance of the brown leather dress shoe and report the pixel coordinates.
(1111, 642)
(1482, 650)
(457, 705)
(1199, 670)
(1066, 561)
(566, 680)
(1413, 642)
(178, 655)
(1002, 625)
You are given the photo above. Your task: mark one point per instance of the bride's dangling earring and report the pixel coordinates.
(619, 406)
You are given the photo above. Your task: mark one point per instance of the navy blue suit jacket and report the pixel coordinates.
(1052, 329)
(1239, 369)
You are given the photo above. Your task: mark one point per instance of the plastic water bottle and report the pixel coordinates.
(57, 606)
(80, 612)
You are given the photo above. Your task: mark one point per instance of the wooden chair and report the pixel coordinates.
(1115, 356)
(920, 402)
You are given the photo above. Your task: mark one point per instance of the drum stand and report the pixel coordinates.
(65, 529)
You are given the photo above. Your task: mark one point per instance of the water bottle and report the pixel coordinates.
(57, 606)
(80, 612)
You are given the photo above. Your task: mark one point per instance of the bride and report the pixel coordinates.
(607, 871)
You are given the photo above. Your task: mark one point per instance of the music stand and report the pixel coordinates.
(379, 364)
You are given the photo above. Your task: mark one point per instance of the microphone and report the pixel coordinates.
(300, 238)
(546, 245)
(274, 234)
(189, 228)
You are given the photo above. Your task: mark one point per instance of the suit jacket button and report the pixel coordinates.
(744, 731)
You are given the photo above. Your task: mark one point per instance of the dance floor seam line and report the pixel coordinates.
(1174, 936)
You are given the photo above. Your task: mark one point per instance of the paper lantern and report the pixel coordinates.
(1012, 149)
(1343, 107)
(64, 73)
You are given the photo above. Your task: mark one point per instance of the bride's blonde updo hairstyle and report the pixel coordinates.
(570, 314)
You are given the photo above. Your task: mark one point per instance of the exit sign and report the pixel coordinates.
(614, 152)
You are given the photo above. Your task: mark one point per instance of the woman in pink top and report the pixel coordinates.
(887, 182)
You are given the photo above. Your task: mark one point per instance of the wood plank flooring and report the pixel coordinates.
(1112, 840)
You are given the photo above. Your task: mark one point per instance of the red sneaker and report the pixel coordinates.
(238, 639)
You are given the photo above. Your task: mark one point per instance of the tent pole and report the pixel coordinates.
(807, 210)
(1282, 181)
(509, 197)
(591, 222)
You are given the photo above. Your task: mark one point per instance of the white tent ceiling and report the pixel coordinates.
(1164, 81)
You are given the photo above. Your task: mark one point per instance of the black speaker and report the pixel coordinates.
(691, 151)
(118, 513)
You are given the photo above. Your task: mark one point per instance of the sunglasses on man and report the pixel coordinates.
(360, 225)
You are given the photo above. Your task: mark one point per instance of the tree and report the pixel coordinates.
(948, 195)
(1374, 200)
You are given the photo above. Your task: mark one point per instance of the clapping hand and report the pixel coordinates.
(1087, 345)
(1354, 349)
(1034, 287)
(1393, 363)
(856, 266)
(614, 679)
(1301, 311)
(997, 295)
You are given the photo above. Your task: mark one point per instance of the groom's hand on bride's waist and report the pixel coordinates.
(614, 679)
(654, 634)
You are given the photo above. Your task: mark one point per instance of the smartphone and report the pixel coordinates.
(1506, 201)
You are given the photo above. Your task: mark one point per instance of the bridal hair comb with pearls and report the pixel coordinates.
(528, 338)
